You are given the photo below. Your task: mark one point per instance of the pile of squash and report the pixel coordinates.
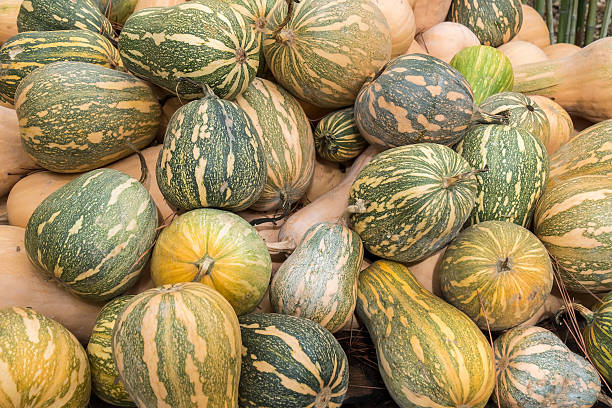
(196, 195)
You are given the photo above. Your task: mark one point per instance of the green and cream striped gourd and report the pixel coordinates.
(290, 362)
(94, 234)
(76, 116)
(28, 51)
(328, 49)
(337, 137)
(42, 363)
(516, 176)
(536, 369)
(179, 346)
(286, 138)
(205, 41)
(319, 279)
(104, 375)
(573, 220)
(410, 201)
(212, 157)
(117, 11)
(429, 353)
(51, 15)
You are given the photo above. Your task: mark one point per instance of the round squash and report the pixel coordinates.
(183, 339)
(303, 55)
(560, 50)
(445, 40)
(402, 26)
(42, 363)
(559, 121)
(534, 29)
(337, 137)
(9, 9)
(117, 11)
(522, 52)
(217, 248)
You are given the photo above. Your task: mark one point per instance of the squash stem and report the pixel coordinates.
(206, 89)
(486, 118)
(588, 315)
(144, 169)
(358, 208)
(607, 19)
(287, 246)
(277, 31)
(591, 21)
(604, 399)
(451, 181)
(504, 265)
(205, 267)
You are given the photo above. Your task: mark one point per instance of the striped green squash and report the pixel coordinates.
(28, 51)
(337, 137)
(517, 172)
(51, 15)
(76, 116)
(212, 157)
(328, 49)
(42, 364)
(117, 11)
(290, 362)
(416, 99)
(498, 273)
(410, 201)
(286, 138)
(205, 41)
(319, 279)
(487, 70)
(217, 248)
(494, 22)
(521, 112)
(429, 353)
(93, 235)
(179, 346)
(104, 376)
(535, 369)
(573, 221)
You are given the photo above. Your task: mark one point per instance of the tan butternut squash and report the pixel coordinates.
(326, 176)
(142, 4)
(581, 83)
(170, 106)
(3, 211)
(533, 29)
(522, 52)
(561, 126)
(426, 272)
(446, 39)
(8, 18)
(314, 113)
(428, 13)
(401, 22)
(415, 48)
(560, 50)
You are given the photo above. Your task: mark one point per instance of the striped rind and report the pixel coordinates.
(286, 138)
(319, 279)
(473, 279)
(211, 157)
(536, 369)
(242, 266)
(117, 11)
(408, 213)
(429, 353)
(76, 116)
(204, 41)
(517, 172)
(574, 221)
(28, 51)
(337, 137)
(179, 346)
(41, 363)
(417, 98)
(289, 361)
(51, 15)
(598, 337)
(94, 234)
(328, 49)
(104, 375)
(487, 70)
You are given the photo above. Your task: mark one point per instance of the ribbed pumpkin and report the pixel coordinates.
(104, 375)
(76, 116)
(561, 125)
(429, 353)
(94, 234)
(304, 55)
(51, 15)
(388, 197)
(217, 248)
(26, 52)
(117, 11)
(536, 369)
(497, 273)
(179, 346)
(337, 137)
(521, 112)
(205, 41)
(417, 98)
(283, 127)
(517, 173)
(43, 364)
(573, 221)
(212, 157)
(493, 22)
(486, 69)
(300, 363)
(319, 280)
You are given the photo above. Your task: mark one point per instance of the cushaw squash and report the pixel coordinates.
(445, 40)
(534, 28)
(428, 13)
(560, 123)
(400, 18)
(429, 353)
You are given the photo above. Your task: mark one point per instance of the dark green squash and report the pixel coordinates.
(337, 137)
